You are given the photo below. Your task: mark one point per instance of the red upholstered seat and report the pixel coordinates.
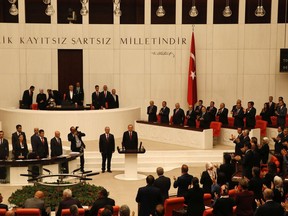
(115, 211)
(216, 126)
(262, 125)
(207, 199)
(258, 117)
(173, 203)
(286, 124)
(28, 212)
(158, 118)
(274, 120)
(66, 212)
(34, 106)
(231, 121)
(2, 212)
(171, 120)
(232, 193)
(208, 212)
(217, 118)
(197, 124)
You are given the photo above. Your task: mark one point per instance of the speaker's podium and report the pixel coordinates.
(131, 163)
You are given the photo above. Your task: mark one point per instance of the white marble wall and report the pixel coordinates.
(233, 61)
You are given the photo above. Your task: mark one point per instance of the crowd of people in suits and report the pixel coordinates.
(73, 96)
(208, 114)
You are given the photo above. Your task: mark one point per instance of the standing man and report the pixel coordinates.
(247, 161)
(191, 117)
(238, 114)
(198, 108)
(106, 98)
(250, 114)
(4, 147)
(27, 98)
(77, 145)
(34, 139)
(79, 94)
(212, 111)
(114, 100)
(71, 95)
(183, 181)
(56, 145)
(281, 113)
(130, 139)
(271, 107)
(41, 100)
(107, 148)
(148, 197)
(41, 148)
(178, 115)
(16, 135)
(204, 118)
(164, 113)
(151, 112)
(223, 114)
(96, 99)
(163, 183)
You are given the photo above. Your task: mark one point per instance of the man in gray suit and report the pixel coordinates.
(36, 202)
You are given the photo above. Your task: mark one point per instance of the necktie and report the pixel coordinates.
(107, 137)
(130, 134)
(42, 140)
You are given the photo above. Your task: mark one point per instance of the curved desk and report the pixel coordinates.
(90, 122)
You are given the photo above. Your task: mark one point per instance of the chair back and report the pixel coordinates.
(173, 203)
(66, 212)
(230, 121)
(115, 211)
(208, 212)
(2, 212)
(262, 125)
(232, 193)
(274, 120)
(158, 118)
(171, 120)
(207, 199)
(28, 212)
(216, 126)
(34, 106)
(258, 117)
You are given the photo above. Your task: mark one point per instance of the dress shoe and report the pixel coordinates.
(103, 171)
(109, 171)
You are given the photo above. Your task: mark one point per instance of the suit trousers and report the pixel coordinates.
(106, 156)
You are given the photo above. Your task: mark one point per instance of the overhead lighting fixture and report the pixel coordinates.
(13, 9)
(193, 11)
(160, 11)
(260, 11)
(117, 10)
(49, 10)
(227, 12)
(84, 10)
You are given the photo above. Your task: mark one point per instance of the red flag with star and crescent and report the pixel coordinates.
(192, 84)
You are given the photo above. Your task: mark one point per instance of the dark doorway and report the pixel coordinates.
(70, 68)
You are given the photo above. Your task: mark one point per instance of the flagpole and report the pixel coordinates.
(193, 27)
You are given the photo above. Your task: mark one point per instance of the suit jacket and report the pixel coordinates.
(27, 99)
(107, 146)
(151, 112)
(164, 184)
(164, 113)
(271, 109)
(198, 111)
(282, 112)
(212, 111)
(79, 96)
(182, 183)
(247, 164)
(4, 149)
(223, 206)
(191, 118)
(270, 208)
(178, 117)
(18, 150)
(100, 203)
(72, 139)
(106, 99)
(238, 117)
(223, 116)
(36, 203)
(256, 185)
(228, 169)
(250, 118)
(194, 199)
(65, 204)
(244, 201)
(34, 139)
(41, 149)
(15, 138)
(114, 102)
(206, 181)
(240, 144)
(205, 120)
(96, 100)
(56, 96)
(41, 101)
(70, 99)
(56, 147)
(130, 143)
(264, 153)
(148, 197)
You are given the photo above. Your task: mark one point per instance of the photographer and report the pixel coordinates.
(77, 145)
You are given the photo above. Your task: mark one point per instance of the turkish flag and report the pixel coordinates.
(192, 84)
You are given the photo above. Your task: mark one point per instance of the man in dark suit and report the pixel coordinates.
(148, 197)
(101, 201)
(238, 114)
(164, 113)
(56, 145)
(107, 148)
(178, 115)
(2, 206)
(163, 183)
(281, 113)
(70, 95)
(27, 98)
(37, 202)
(34, 139)
(271, 106)
(212, 110)
(77, 145)
(224, 204)
(198, 108)
(270, 207)
(183, 181)
(250, 114)
(79, 94)
(247, 161)
(205, 118)
(106, 97)
(130, 139)
(240, 140)
(96, 99)
(41, 147)
(223, 114)
(4, 147)
(191, 117)
(278, 141)
(67, 201)
(151, 112)
(41, 100)
(55, 96)
(114, 100)
(16, 134)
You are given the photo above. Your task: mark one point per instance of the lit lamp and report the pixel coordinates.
(13, 9)
(84, 10)
(117, 10)
(227, 11)
(160, 11)
(193, 11)
(260, 11)
(49, 10)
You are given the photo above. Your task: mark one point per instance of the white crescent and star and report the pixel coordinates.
(192, 73)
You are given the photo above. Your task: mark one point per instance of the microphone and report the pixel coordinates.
(85, 172)
(92, 174)
(76, 170)
(47, 170)
(86, 179)
(140, 146)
